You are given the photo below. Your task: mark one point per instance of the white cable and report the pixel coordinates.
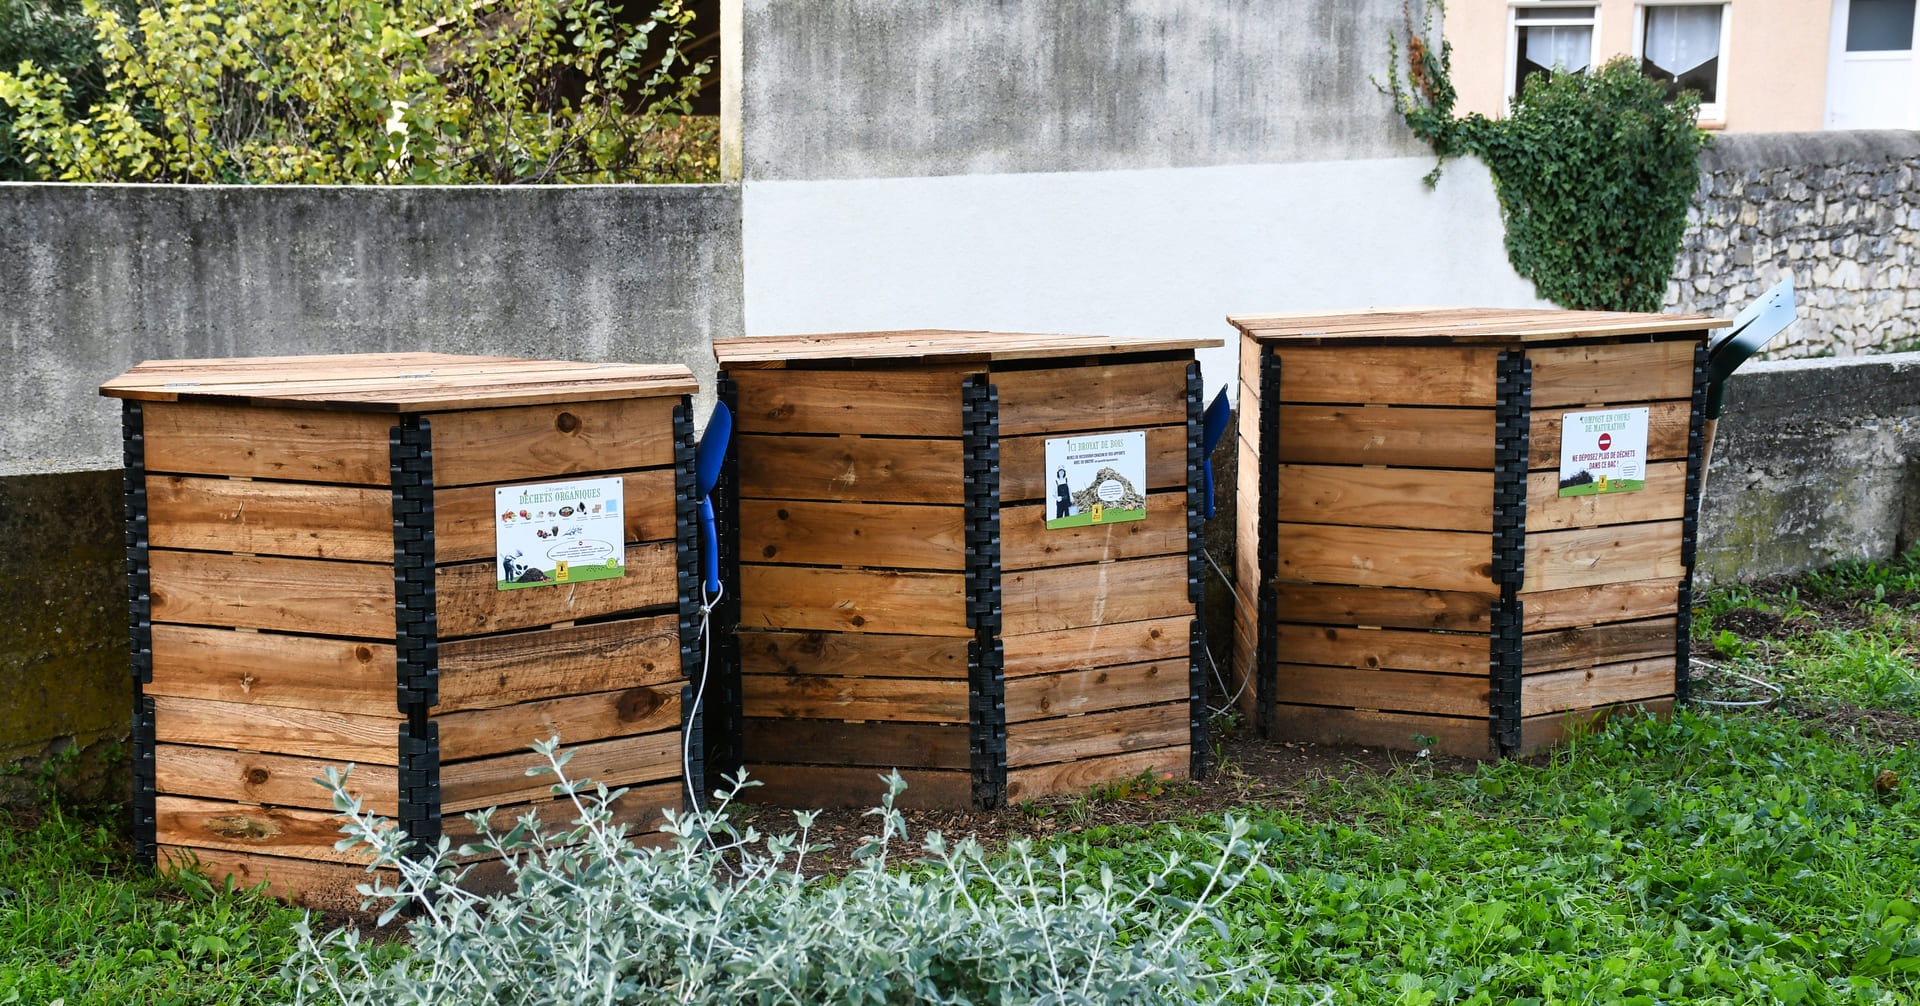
(700, 689)
(1778, 691)
(1251, 617)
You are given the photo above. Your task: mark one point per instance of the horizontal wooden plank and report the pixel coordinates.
(1070, 693)
(470, 601)
(576, 719)
(1394, 649)
(1461, 324)
(1101, 645)
(394, 382)
(1600, 644)
(1387, 557)
(1538, 733)
(1101, 397)
(1387, 497)
(268, 669)
(298, 445)
(894, 535)
(1607, 602)
(503, 780)
(1593, 374)
(1414, 375)
(852, 600)
(238, 827)
(548, 442)
(853, 654)
(849, 469)
(808, 696)
(1072, 738)
(270, 518)
(640, 809)
(258, 592)
(1606, 684)
(874, 744)
(281, 780)
(1616, 554)
(1068, 597)
(1026, 542)
(489, 671)
(1452, 736)
(303, 883)
(824, 786)
(936, 344)
(1387, 435)
(1024, 475)
(1667, 427)
(463, 518)
(1384, 691)
(1664, 498)
(277, 730)
(1384, 607)
(1173, 763)
(904, 403)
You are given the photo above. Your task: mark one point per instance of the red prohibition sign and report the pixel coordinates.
(1606, 441)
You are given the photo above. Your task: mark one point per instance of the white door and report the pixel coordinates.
(1873, 81)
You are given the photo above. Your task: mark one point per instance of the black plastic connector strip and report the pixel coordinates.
(1196, 460)
(420, 785)
(1266, 659)
(1505, 672)
(686, 546)
(1690, 525)
(1201, 753)
(140, 630)
(1512, 425)
(416, 635)
(723, 707)
(986, 663)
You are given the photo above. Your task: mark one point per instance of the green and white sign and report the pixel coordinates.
(1096, 478)
(1603, 452)
(559, 532)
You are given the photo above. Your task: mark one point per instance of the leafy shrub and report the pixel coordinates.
(724, 916)
(335, 91)
(57, 36)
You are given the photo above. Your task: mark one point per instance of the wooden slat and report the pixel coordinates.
(1111, 397)
(1631, 681)
(305, 732)
(1023, 464)
(239, 827)
(1589, 556)
(1026, 542)
(260, 668)
(1608, 602)
(470, 600)
(494, 671)
(1667, 425)
(808, 696)
(1073, 692)
(1385, 607)
(875, 744)
(1071, 738)
(1422, 375)
(1164, 639)
(1387, 557)
(854, 534)
(895, 403)
(1540, 732)
(550, 442)
(270, 518)
(850, 469)
(1387, 497)
(640, 809)
(1383, 691)
(853, 653)
(498, 781)
(1597, 374)
(1413, 437)
(293, 444)
(463, 525)
(1463, 325)
(1600, 644)
(575, 719)
(1068, 597)
(1077, 776)
(282, 780)
(1664, 498)
(296, 595)
(824, 786)
(1396, 649)
(1458, 737)
(849, 600)
(393, 382)
(939, 344)
(300, 882)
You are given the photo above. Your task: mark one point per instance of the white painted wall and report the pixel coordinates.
(1151, 252)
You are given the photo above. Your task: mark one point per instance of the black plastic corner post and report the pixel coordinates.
(686, 545)
(1512, 427)
(723, 710)
(140, 632)
(1266, 656)
(416, 630)
(1198, 749)
(1690, 525)
(986, 660)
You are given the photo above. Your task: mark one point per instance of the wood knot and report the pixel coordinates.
(566, 422)
(769, 552)
(241, 826)
(780, 514)
(858, 620)
(258, 776)
(637, 704)
(363, 653)
(1153, 633)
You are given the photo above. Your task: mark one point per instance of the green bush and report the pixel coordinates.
(723, 916)
(57, 36)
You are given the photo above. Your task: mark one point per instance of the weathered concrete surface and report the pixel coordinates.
(95, 278)
(878, 88)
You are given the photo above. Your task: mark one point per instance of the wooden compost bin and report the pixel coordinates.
(1418, 572)
(900, 601)
(313, 579)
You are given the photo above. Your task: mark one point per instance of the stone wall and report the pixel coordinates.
(1838, 210)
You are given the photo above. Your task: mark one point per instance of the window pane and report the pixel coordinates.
(1553, 13)
(1879, 25)
(1543, 50)
(1682, 49)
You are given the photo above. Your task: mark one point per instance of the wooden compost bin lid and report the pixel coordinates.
(394, 382)
(1460, 326)
(943, 345)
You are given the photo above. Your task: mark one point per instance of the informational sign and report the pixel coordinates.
(559, 532)
(1096, 478)
(1603, 452)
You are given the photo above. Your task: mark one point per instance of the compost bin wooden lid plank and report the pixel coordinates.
(1463, 325)
(394, 382)
(946, 345)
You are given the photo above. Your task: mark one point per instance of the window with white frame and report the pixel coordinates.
(1544, 38)
(1683, 46)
